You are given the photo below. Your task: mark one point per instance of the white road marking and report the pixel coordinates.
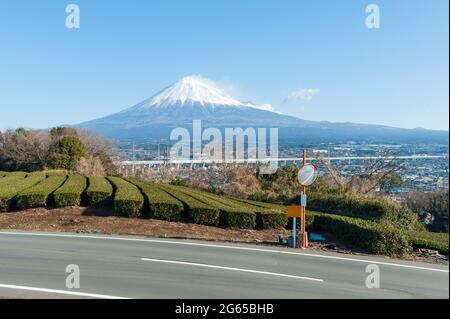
(231, 269)
(61, 292)
(173, 242)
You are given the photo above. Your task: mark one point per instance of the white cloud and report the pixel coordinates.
(264, 107)
(302, 95)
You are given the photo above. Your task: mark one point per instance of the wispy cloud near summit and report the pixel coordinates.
(302, 94)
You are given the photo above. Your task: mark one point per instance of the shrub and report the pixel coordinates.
(365, 207)
(429, 240)
(377, 238)
(159, 203)
(237, 218)
(267, 215)
(70, 194)
(21, 174)
(431, 206)
(213, 199)
(178, 181)
(263, 204)
(39, 195)
(198, 211)
(13, 184)
(128, 200)
(231, 214)
(270, 216)
(99, 192)
(271, 219)
(203, 215)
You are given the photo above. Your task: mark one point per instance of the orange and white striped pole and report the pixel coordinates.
(303, 211)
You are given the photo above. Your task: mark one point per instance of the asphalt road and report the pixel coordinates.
(33, 265)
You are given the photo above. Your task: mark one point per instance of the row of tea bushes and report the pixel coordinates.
(70, 194)
(13, 184)
(265, 217)
(99, 192)
(128, 199)
(230, 215)
(377, 238)
(364, 207)
(429, 240)
(198, 211)
(158, 203)
(40, 194)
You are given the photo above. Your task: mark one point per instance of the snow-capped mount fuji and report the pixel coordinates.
(196, 98)
(194, 91)
(191, 98)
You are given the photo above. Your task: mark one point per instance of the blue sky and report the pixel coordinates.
(260, 50)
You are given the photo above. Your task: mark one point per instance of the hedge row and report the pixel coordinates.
(377, 238)
(271, 215)
(416, 239)
(128, 199)
(270, 219)
(159, 204)
(23, 174)
(232, 216)
(99, 192)
(70, 194)
(429, 240)
(40, 194)
(215, 199)
(262, 204)
(265, 217)
(365, 207)
(13, 184)
(198, 211)
(57, 172)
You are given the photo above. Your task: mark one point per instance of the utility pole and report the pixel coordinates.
(159, 151)
(166, 155)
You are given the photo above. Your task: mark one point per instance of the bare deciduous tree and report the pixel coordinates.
(24, 150)
(32, 150)
(90, 166)
(432, 207)
(101, 148)
(367, 178)
(240, 182)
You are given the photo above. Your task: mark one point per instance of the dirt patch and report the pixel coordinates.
(104, 221)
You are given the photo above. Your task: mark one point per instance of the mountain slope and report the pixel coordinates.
(196, 98)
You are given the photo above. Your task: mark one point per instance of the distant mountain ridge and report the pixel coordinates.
(196, 98)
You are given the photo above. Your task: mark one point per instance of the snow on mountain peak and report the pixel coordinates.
(195, 89)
